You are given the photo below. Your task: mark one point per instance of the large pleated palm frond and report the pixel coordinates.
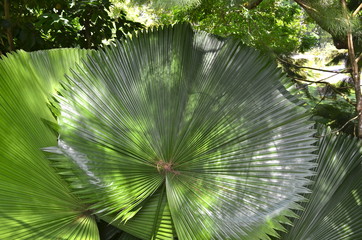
(35, 203)
(334, 207)
(178, 133)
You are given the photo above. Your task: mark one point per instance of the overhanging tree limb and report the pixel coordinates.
(305, 6)
(359, 58)
(357, 10)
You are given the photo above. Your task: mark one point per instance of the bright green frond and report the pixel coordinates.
(35, 203)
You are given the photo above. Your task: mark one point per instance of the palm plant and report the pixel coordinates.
(168, 134)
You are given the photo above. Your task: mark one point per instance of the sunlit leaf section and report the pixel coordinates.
(35, 203)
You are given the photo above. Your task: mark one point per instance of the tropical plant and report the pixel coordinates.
(168, 134)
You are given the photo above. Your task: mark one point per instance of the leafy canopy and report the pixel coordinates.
(276, 26)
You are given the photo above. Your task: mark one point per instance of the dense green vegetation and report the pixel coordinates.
(35, 25)
(276, 26)
(173, 133)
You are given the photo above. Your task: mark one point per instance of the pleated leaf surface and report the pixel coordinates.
(334, 207)
(205, 119)
(35, 203)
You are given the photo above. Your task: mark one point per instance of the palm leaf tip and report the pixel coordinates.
(200, 117)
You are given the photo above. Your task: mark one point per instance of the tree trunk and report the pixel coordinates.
(9, 32)
(87, 33)
(355, 71)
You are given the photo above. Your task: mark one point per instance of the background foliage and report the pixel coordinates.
(275, 26)
(36, 25)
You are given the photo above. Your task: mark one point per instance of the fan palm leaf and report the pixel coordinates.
(35, 203)
(191, 132)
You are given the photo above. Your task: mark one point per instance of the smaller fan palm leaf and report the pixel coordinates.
(35, 203)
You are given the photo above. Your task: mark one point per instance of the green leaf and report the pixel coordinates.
(153, 221)
(334, 207)
(206, 118)
(35, 203)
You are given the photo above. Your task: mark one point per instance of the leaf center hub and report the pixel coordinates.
(166, 167)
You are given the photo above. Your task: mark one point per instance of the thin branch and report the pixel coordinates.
(322, 80)
(305, 6)
(322, 70)
(345, 97)
(316, 69)
(321, 100)
(318, 81)
(329, 85)
(357, 10)
(310, 81)
(359, 58)
(341, 128)
(344, 125)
